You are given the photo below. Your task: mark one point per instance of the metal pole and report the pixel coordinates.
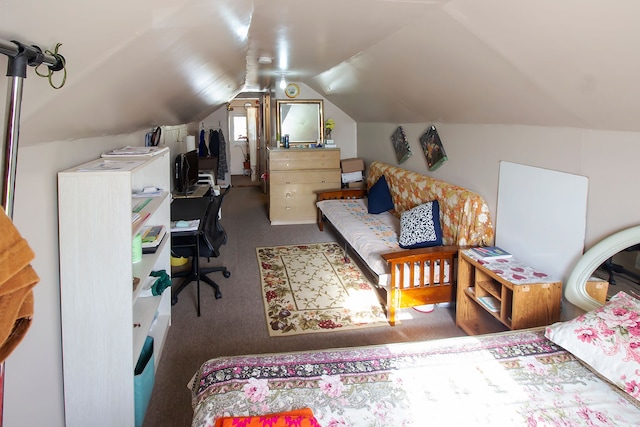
(34, 54)
(12, 131)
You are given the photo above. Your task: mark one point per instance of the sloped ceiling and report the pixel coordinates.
(136, 64)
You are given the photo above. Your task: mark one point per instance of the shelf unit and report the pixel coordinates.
(528, 303)
(105, 320)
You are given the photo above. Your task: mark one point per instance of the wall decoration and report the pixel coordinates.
(433, 149)
(400, 145)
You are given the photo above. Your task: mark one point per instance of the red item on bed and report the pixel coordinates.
(298, 418)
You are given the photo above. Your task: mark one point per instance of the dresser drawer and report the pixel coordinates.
(295, 203)
(306, 177)
(318, 158)
(294, 210)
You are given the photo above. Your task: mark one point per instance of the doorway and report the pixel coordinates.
(246, 132)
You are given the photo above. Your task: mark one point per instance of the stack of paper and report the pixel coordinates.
(191, 225)
(135, 151)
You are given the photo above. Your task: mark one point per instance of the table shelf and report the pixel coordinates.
(522, 304)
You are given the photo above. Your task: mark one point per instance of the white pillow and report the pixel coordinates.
(608, 339)
(420, 226)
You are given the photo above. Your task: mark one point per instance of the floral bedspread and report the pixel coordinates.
(509, 379)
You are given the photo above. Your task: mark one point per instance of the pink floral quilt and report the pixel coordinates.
(508, 379)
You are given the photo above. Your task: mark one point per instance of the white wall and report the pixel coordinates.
(608, 159)
(345, 132)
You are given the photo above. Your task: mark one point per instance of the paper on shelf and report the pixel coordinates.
(146, 291)
(191, 225)
(111, 165)
(135, 151)
(147, 192)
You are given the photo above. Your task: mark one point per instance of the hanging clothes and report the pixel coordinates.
(202, 147)
(214, 143)
(17, 279)
(223, 168)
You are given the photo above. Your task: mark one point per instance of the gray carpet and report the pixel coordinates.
(236, 323)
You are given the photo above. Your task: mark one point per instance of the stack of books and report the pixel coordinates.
(152, 237)
(487, 253)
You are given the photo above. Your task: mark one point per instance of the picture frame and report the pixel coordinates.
(400, 145)
(433, 148)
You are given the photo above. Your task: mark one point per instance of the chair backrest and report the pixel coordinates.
(213, 233)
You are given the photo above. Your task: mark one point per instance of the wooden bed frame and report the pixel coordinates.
(419, 261)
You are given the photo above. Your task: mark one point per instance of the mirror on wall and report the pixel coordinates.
(301, 119)
(576, 287)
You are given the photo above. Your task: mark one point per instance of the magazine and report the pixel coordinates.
(490, 252)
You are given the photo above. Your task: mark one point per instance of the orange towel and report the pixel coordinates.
(17, 279)
(296, 418)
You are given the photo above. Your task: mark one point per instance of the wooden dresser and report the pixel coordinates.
(295, 174)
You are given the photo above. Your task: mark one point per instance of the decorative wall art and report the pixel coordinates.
(433, 149)
(400, 145)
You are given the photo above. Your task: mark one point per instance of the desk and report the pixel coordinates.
(200, 191)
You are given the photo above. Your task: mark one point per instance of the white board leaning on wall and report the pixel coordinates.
(541, 217)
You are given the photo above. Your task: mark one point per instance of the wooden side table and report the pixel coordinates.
(502, 295)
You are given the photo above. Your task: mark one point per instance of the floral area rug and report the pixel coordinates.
(309, 288)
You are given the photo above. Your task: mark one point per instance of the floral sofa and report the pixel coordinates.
(417, 276)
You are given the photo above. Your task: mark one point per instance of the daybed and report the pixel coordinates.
(411, 277)
(517, 378)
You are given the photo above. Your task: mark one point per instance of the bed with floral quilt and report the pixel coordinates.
(519, 378)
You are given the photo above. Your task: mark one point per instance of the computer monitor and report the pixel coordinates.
(186, 172)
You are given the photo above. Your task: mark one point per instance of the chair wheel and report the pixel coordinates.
(226, 274)
(218, 295)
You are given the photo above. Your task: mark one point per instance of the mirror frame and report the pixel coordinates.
(282, 102)
(576, 288)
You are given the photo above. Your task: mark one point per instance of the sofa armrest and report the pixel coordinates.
(346, 193)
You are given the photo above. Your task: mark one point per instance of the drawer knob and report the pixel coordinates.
(288, 195)
(288, 207)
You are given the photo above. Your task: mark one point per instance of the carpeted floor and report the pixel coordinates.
(235, 324)
(243, 181)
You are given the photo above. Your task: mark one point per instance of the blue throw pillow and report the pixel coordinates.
(379, 197)
(420, 226)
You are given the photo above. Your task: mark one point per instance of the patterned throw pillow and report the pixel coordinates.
(379, 197)
(420, 226)
(608, 339)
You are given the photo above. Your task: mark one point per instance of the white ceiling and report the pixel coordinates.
(137, 64)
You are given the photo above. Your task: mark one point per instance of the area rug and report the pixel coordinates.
(309, 288)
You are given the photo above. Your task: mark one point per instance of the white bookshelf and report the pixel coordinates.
(104, 322)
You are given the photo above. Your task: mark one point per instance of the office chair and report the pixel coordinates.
(206, 243)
